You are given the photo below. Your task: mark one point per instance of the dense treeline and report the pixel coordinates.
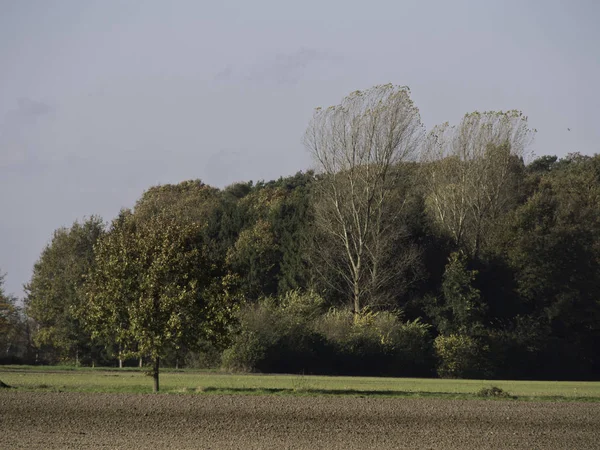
(527, 306)
(474, 265)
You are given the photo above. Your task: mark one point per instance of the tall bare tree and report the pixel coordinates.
(357, 147)
(471, 172)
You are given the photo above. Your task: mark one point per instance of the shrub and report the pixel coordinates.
(413, 344)
(292, 335)
(493, 392)
(276, 336)
(377, 344)
(461, 356)
(208, 356)
(518, 348)
(360, 349)
(246, 354)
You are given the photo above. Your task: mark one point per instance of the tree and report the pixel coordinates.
(188, 201)
(12, 331)
(7, 308)
(54, 291)
(472, 171)
(553, 245)
(460, 308)
(462, 299)
(356, 145)
(7, 311)
(254, 258)
(147, 291)
(268, 253)
(292, 221)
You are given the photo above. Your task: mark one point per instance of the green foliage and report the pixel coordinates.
(552, 246)
(292, 222)
(13, 328)
(247, 353)
(54, 293)
(190, 201)
(146, 292)
(499, 259)
(293, 335)
(542, 164)
(461, 308)
(519, 347)
(493, 392)
(377, 343)
(461, 356)
(7, 308)
(462, 299)
(254, 258)
(275, 336)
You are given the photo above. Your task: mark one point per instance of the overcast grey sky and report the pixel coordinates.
(99, 100)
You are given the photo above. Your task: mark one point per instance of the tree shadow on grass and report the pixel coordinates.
(333, 392)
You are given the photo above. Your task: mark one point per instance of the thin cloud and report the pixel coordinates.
(15, 129)
(225, 74)
(281, 69)
(32, 108)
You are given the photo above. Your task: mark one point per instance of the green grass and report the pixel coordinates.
(133, 380)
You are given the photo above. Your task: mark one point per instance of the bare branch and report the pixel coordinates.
(470, 171)
(354, 146)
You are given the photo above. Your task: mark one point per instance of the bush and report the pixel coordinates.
(518, 349)
(461, 356)
(377, 344)
(414, 346)
(246, 354)
(11, 359)
(358, 347)
(277, 337)
(292, 335)
(207, 357)
(493, 392)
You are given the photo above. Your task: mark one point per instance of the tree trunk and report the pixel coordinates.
(155, 374)
(141, 362)
(356, 293)
(120, 363)
(356, 301)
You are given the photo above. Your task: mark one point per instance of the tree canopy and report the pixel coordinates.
(147, 290)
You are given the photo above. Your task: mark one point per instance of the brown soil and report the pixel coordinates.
(72, 420)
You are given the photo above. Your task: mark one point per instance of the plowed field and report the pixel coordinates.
(31, 420)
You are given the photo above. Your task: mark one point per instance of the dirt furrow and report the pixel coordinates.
(94, 421)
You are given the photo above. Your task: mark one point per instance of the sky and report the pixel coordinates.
(100, 100)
